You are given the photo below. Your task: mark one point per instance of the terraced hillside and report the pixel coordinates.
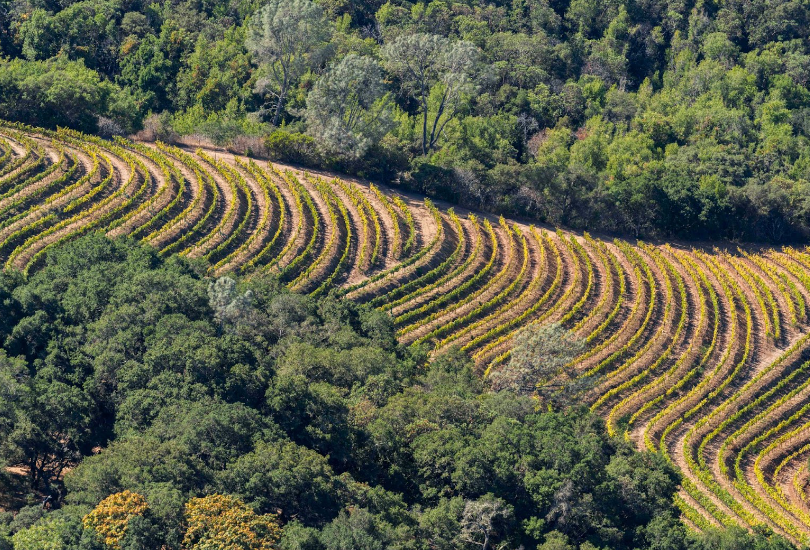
(704, 354)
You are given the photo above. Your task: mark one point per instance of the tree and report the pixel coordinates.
(556, 541)
(230, 307)
(358, 530)
(51, 429)
(149, 71)
(541, 358)
(53, 532)
(216, 73)
(436, 73)
(14, 393)
(82, 30)
(59, 92)
(285, 38)
(287, 477)
(483, 520)
(110, 519)
(226, 523)
(348, 109)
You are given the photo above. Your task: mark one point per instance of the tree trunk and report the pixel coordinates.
(34, 471)
(424, 128)
(282, 93)
(279, 105)
(439, 114)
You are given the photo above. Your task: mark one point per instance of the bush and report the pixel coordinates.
(53, 532)
(158, 128)
(292, 147)
(432, 180)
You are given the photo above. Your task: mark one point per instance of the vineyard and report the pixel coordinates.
(703, 354)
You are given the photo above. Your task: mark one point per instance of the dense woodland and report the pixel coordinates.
(145, 406)
(654, 118)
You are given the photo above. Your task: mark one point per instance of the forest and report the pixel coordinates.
(146, 406)
(557, 298)
(680, 119)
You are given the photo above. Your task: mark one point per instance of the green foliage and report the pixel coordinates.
(82, 26)
(51, 533)
(347, 109)
(288, 477)
(541, 362)
(216, 73)
(59, 92)
(150, 64)
(436, 73)
(292, 147)
(286, 38)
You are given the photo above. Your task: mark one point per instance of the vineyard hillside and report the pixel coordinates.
(700, 354)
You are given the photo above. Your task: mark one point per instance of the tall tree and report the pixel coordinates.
(348, 108)
(110, 519)
(286, 38)
(437, 73)
(224, 522)
(482, 522)
(542, 362)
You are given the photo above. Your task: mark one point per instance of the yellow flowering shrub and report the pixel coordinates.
(222, 522)
(111, 517)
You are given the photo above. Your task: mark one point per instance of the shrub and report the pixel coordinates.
(292, 147)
